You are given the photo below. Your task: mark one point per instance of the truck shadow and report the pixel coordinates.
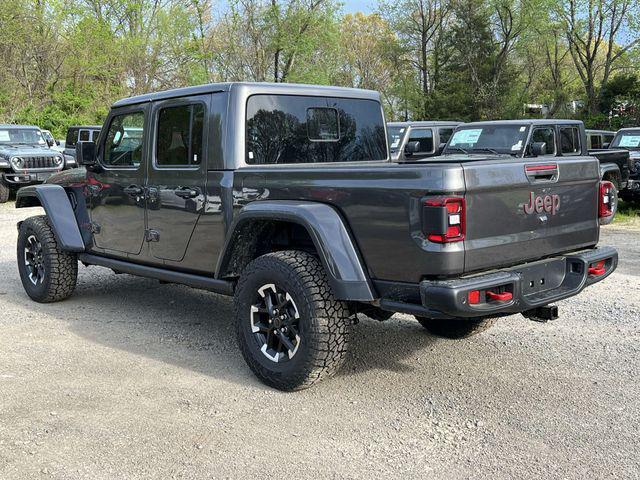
(194, 329)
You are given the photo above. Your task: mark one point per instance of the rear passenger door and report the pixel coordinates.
(177, 174)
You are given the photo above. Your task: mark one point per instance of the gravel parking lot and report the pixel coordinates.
(133, 379)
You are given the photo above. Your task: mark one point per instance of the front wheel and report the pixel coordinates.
(290, 328)
(455, 328)
(48, 274)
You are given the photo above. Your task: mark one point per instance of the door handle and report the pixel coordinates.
(132, 190)
(186, 192)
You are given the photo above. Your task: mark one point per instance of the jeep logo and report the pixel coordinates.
(547, 203)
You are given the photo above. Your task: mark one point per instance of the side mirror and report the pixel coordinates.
(538, 148)
(50, 143)
(57, 143)
(411, 148)
(86, 153)
(606, 145)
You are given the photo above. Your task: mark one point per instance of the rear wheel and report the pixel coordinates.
(48, 274)
(290, 328)
(456, 327)
(4, 192)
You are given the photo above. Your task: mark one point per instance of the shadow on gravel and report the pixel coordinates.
(194, 329)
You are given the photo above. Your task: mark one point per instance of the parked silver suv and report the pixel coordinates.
(25, 158)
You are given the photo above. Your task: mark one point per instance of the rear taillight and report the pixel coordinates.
(606, 199)
(443, 219)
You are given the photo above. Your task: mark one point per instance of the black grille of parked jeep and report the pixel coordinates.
(38, 162)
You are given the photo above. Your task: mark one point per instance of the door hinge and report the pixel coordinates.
(151, 235)
(94, 228)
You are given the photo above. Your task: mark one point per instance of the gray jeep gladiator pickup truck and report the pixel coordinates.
(542, 139)
(284, 196)
(25, 158)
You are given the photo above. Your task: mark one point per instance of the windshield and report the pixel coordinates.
(20, 136)
(509, 139)
(395, 134)
(629, 139)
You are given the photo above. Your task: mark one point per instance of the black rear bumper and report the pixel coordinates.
(523, 287)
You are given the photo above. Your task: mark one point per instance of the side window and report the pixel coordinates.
(95, 135)
(570, 141)
(425, 137)
(595, 141)
(72, 137)
(546, 135)
(608, 139)
(285, 129)
(180, 134)
(445, 135)
(84, 135)
(124, 140)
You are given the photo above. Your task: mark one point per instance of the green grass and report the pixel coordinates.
(628, 213)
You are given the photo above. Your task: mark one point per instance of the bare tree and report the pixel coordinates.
(599, 33)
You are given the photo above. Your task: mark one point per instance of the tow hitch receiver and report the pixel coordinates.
(542, 314)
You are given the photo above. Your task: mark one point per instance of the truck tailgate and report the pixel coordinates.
(525, 209)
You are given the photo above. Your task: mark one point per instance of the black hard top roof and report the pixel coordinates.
(424, 123)
(252, 88)
(527, 121)
(87, 127)
(593, 130)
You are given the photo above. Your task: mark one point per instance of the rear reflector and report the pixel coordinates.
(474, 297)
(606, 199)
(444, 219)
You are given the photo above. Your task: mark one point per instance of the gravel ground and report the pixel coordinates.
(133, 379)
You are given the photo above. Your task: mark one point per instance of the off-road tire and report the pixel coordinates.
(60, 268)
(5, 191)
(457, 327)
(323, 325)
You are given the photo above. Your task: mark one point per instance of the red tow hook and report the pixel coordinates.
(597, 269)
(501, 297)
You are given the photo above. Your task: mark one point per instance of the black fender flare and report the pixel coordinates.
(606, 168)
(329, 234)
(55, 202)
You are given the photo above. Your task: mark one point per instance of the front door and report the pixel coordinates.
(116, 187)
(177, 174)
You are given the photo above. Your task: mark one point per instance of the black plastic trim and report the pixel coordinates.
(56, 204)
(196, 281)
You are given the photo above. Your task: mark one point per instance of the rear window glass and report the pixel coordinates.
(297, 129)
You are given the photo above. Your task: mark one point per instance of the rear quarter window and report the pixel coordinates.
(285, 129)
